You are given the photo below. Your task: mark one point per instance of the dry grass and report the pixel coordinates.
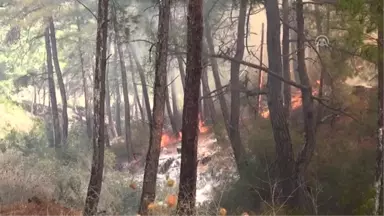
(36, 206)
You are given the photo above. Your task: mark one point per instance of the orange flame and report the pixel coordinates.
(296, 101)
(168, 139)
(202, 128)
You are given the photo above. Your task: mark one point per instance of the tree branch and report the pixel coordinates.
(87, 8)
(266, 70)
(336, 110)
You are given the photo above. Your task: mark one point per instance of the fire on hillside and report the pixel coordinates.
(296, 100)
(169, 139)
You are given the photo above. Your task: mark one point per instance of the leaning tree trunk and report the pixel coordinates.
(180, 62)
(234, 133)
(286, 69)
(124, 81)
(84, 80)
(98, 138)
(59, 81)
(379, 175)
(283, 144)
(156, 127)
(143, 84)
(52, 92)
(216, 76)
(188, 167)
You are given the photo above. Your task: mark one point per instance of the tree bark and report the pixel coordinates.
(156, 127)
(216, 76)
(133, 74)
(84, 80)
(286, 69)
(123, 70)
(283, 147)
(60, 81)
(98, 138)
(143, 83)
(188, 170)
(234, 133)
(379, 175)
(52, 91)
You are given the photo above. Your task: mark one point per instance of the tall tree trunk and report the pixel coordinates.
(170, 114)
(127, 113)
(201, 106)
(156, 127)
(207, 114)
(176, 114)
(180, 62)
(305, 155)
(188, 168)
(136, 113)
(84, 80)
(283, 147)
(293, 40)
(108, 105)
(98, 138)
(133, 74)
(216, 76)
(44, 95)
(379, 175)
(286, 69)
(118, 96)
(60, 81)
(143, 83)
(204, 92)
(52, 91)
(260, 78)
(208, 102)
(234, 133)
(320, 108)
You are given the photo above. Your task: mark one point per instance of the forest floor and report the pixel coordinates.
(35, 206)
(215, 168)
